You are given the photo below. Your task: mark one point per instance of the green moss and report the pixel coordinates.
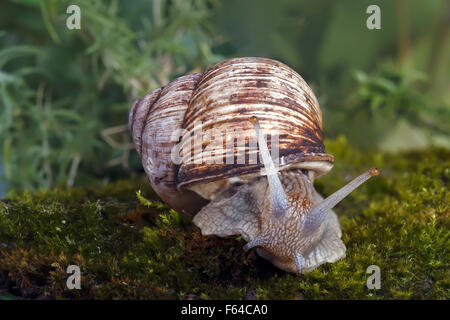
(130, 245)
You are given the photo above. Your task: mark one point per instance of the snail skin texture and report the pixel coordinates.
(272, 205)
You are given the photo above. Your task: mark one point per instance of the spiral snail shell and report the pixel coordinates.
(202, 144)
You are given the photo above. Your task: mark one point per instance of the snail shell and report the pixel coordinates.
(229, 93)
(282, 215)
(224, 98)
(152, 121)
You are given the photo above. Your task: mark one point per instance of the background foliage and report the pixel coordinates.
(65, 94)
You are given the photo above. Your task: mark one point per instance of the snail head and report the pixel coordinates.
(281, 214)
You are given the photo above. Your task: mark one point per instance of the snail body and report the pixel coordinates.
(202, 144)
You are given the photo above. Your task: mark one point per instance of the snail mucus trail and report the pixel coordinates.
(281, 214)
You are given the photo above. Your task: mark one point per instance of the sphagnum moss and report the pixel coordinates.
(131, 245)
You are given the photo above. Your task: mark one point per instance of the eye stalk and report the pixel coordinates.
(278, 198)
(319, 213)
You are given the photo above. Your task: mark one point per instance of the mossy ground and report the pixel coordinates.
(134, 248)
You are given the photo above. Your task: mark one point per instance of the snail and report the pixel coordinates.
(238, 148)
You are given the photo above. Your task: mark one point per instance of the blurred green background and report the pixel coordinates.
(65, 94)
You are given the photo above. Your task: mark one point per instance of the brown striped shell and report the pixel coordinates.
(152, 121)
(222, 100)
